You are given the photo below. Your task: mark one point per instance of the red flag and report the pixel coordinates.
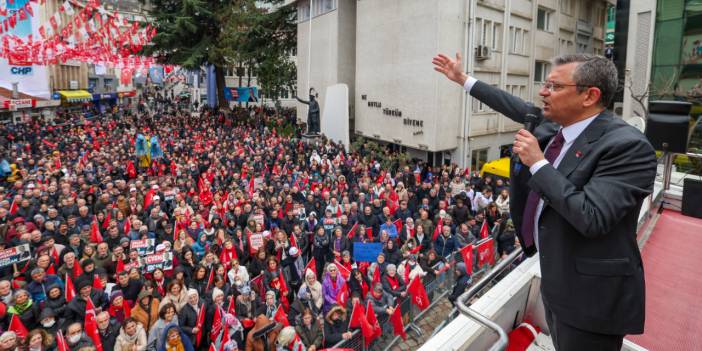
(376, 275)
(225, 337)
(338, 211)
(77, 270)
(293, 241)
(127, 226)
(467, 254)
(216, 324)
(373, 321)
(358, 315)
(51, 269)
(212, 347)
(210, 279)
(257, 283)
(106, 222)
(149, 198)
(97, 283)
(343, 296)
(418, 293)
(486, 253)
(61, 344)
(70, 289)
(95, 235)
(439, 228)
(251, 187)
(231, 309)
(398, 225)
(484, 231)
(345, 273)
(312, 264)
(55, 255)
(199, 324)
(14, 207)
(91, 328)
(352, 231)
(17, 327)
(369, 233)
(281, 317)
(120, 265)
(397, 325)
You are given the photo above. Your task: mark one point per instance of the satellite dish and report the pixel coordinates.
(637, 122)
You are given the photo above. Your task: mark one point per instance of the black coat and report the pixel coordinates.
(591, 267)
(30, 317)
(75, 311)
(187, 320)
(333, 331)
(108, 337)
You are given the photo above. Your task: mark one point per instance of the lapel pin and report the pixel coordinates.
(578, 154)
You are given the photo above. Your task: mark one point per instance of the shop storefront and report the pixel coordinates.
(73, 99)
(104, 102)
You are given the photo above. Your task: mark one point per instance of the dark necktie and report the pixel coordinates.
(532, 202)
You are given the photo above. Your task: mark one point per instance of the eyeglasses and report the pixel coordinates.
(552, 86)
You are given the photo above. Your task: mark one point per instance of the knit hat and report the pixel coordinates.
(83, 282)
(192, 291)
(115, 295)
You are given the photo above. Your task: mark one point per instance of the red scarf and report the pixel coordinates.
(394, 284)
(160, 287)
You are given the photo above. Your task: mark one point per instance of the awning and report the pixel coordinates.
(498, 167)
(104, 96)
(76, 95)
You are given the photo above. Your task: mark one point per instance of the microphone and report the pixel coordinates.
(530, 121)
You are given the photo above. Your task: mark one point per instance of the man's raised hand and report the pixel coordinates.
(452, 69)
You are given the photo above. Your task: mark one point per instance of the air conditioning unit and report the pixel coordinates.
(482, 52)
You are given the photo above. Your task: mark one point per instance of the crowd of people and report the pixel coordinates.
(167, 230)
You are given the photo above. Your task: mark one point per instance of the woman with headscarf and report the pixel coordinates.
(311, 290)
(132, 336)
(200, 245)
(25, 309)
(166, 315)
(119, 309)
(331, 286)
(217, 304)
(187, 317)
(174, 339)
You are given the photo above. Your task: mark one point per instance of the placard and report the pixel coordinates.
(144, 246)
(15, 254)
(162, 260)
(366, 252)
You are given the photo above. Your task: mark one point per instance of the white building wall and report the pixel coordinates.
(642, 20)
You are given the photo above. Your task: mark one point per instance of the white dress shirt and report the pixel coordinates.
(570, 133)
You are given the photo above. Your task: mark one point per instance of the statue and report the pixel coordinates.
(312, 113)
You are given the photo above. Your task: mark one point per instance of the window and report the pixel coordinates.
(107, 82)
(567, 7)
(303, 10)
(92, 84)
(543, 19)
(320, 7)
(516, 90)
(518, 40)
(489, 34)
(541, 69)
(585, 13)
(478, 159)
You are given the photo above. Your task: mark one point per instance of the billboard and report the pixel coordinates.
(32, 79)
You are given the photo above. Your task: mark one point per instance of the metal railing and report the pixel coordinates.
(463, 301)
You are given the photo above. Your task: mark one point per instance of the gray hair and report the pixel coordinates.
(592, 71)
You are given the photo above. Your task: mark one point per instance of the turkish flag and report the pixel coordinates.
(70, 289)
(149, 198)
(293, 241)
(312, 264)
(120, 265)
(484, 231)
(17, 327)
(252, 186)
(352, 231)
(231, 309)
(373, 321)
(398, 225)
(345, 273)
(467, 254)
(51, 269)
(97, 283)
(397, 325)
(281, 317)
(127, 226)
(14, 207)
(210, 279)
(376, 275)
(439, 228)
(343, 296)
(95, 235)
(418, 293)
(199, 324)
(77, 270)
(358, 315)
(486, 252)
(91, 328)
(369, 233)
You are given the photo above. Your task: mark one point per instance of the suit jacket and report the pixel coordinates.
(591, 268)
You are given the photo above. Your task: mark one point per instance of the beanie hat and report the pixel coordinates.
(83, 282)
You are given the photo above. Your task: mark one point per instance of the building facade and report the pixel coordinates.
(400, 99)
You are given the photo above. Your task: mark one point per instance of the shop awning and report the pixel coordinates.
(76, 95)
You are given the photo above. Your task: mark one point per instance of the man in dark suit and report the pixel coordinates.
(577, 201)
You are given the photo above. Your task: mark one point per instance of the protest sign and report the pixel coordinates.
(161, 260)
(15, 254)
(144, 246)
(366, 252)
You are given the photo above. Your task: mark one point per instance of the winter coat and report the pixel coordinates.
(179, 301)
(256, 344)
(75, 311)
(123, 342)
(330, 291)
(187, 345)
(147, 317)
(310, 335)
(187, 320)
(444, 245)
(38, 289)
(109, 336)
(157, 331)
(333, 330)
